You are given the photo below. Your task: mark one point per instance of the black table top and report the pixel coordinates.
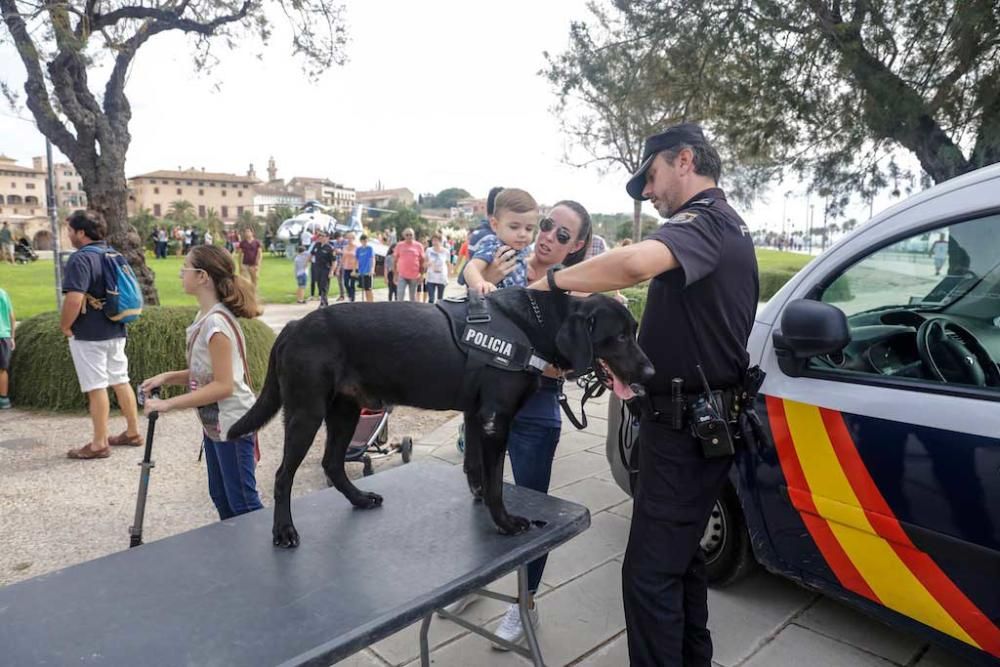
(222, 595)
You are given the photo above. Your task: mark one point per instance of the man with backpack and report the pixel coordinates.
(96, 342)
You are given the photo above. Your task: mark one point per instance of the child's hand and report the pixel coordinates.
(486, 287)
(159, 405)
(152, 383)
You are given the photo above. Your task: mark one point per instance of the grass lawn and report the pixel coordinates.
(769, 260)
(31, 290)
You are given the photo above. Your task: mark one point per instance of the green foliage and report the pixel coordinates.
(609, 225)
(446, 198)
(831, 94)
(31, 285)
(400, 219)
(626, 229)
(42, 374)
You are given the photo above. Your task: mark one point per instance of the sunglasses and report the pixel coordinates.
(563, 235)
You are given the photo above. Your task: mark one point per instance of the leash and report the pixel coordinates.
(592, 388)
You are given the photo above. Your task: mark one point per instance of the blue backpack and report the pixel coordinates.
(123, 296)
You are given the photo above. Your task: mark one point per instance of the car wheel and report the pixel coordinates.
(726, 542)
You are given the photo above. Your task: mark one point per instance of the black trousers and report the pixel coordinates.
(663, 576)
(323, 282)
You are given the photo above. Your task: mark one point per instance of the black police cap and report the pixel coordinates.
(685, 133)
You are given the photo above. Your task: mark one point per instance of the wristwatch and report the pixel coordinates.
(550, 277)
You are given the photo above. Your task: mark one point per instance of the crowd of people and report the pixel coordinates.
(700, 268)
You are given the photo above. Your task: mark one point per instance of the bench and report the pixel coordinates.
(222, 595)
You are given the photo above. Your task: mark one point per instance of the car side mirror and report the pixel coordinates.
(808, 328)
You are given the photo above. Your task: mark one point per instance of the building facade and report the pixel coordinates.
(228, 195)
(69, 185)
(382, 197)
(22, 200)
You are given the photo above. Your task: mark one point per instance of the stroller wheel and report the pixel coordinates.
(406, 448)
(367, 471)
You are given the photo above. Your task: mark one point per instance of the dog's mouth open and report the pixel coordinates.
(622, 390)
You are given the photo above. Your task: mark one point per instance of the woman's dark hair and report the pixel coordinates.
(491, 199)
(235, 292)
(91, 223)
(586, 230)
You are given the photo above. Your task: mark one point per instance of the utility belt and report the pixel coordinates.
(675, 411)
(718, 418)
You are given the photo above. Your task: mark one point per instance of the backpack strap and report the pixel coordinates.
(243, 357)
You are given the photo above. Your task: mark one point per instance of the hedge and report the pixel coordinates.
(771, 280)
(42, 374)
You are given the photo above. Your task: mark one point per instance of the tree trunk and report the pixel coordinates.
(636, 221)
(112, 204)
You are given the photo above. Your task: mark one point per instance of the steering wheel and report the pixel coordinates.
(953, 354)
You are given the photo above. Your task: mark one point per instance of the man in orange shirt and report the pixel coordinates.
(409, 256)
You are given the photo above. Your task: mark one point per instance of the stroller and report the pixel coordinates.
(23, 252)
(371, 436)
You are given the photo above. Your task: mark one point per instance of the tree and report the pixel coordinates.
(605, 104)
(447, 198)
(832, 90)
(61, 43)
(399, 220)
(181, 213)
(626, 230)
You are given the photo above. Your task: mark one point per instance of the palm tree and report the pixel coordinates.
(181, 212)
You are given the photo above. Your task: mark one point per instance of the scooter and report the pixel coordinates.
(135, 530)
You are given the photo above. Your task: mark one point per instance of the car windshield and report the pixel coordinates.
(927, 271)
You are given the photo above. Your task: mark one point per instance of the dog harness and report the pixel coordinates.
(489, 338)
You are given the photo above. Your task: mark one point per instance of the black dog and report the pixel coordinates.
(337, 360)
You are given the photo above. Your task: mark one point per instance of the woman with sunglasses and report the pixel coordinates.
(563, 238)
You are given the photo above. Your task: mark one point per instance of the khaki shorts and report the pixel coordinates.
(99, 363)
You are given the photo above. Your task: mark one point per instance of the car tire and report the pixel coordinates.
(726, 542)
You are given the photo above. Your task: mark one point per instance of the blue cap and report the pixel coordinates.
(685, 133)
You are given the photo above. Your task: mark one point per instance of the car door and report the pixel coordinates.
(880, 480)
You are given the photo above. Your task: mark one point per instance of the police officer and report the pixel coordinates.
(700, 306)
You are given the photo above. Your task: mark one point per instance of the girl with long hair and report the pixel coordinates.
(216, 376)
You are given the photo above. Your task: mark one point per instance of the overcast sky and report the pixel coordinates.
(437, 93)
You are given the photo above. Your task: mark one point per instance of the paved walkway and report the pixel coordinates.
(763, 621)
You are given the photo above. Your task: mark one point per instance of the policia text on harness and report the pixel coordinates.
(489, 337)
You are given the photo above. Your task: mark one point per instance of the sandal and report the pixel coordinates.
(123, 439)
(88, 452)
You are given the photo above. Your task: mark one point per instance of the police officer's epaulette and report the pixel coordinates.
(687, 215)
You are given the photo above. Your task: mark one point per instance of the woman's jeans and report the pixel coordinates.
(434, 288)
(231, 481)
(350, 283)
(532, 448)
(406, 284)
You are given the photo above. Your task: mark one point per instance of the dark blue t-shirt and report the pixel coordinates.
(84, 273)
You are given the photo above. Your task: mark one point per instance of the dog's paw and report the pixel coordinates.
(513, 525)
(285, 537)
(367, 500)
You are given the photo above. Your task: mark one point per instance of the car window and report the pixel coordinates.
(926, 307)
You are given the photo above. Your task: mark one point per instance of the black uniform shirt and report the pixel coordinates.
(323, 257)
(704, 309)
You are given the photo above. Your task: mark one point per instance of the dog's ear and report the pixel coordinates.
(573, 342)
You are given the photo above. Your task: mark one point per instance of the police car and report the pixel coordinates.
(877, 479)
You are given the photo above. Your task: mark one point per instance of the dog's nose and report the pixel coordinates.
(647, 373)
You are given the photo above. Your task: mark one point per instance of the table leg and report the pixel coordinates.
(425, 653)
(529, 629)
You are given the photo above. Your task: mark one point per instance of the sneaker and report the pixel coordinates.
(511, 627)
(459, 605)
(5, 403)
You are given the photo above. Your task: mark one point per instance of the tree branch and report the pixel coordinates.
(38, 100)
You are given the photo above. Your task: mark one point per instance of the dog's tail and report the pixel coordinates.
(269, 401)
